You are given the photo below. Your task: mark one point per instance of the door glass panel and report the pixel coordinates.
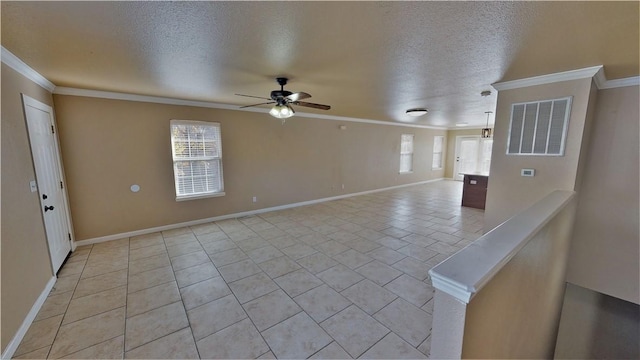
(468, 161)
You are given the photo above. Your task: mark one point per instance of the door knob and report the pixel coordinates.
(47, 208)
(44, 196)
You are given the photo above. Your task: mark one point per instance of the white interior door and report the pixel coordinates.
(473, 155)
(46, 160)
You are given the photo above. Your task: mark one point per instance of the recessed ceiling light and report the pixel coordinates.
(417, 112)
(462, 124)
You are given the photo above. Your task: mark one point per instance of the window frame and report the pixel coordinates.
(174, 160)
(441, 152)
(410, 171)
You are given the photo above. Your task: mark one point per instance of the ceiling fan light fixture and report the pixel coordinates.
(417, 112)
(282, 111)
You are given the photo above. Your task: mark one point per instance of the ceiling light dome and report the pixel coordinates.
(417, 112)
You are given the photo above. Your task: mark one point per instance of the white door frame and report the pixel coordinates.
(455, 150)
(31, 102)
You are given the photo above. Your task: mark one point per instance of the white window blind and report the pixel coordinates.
(197, 159)
(406, 153)
(437, 152)
(539, 128)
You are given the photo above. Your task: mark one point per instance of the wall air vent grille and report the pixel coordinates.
(539, 128)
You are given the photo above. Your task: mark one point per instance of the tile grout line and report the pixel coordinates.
(186, 314)
(67, 308)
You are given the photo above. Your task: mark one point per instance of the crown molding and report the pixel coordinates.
(474, 127)
(548, 79)
(595, 72)
(205, 104)
(617, 83)
(27, 71)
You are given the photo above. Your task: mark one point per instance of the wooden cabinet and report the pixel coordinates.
(474, 191)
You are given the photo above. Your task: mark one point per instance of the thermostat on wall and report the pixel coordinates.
(528, 172)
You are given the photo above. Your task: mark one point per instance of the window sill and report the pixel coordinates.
(405, 172)
(436, 168)
(199, 196)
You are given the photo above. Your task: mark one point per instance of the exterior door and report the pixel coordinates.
(466, 156)
(48, 168)
(473, 155)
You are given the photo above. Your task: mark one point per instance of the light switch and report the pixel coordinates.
(33, 186)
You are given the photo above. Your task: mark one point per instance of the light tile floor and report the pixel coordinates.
(340, 279)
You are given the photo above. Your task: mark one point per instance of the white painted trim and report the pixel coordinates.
(212, 105)
(600, 79)
(548, 79)
(21, 67)
(31, 315)
(466, 272)
(596, 72)
(616, 83)
(469, 127)
(241, 214)
(451, 287)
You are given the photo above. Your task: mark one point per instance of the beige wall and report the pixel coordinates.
(605, 247)
(26, 267)
(597, 326)
(516, 314)
(451, 149)
(509, 193)
(108, 145)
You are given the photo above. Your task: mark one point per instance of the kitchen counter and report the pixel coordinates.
(474, 191)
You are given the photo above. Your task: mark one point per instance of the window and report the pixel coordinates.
(539, 128)
(197, 159)
(437, 152)
(484, 164)
(406, 153)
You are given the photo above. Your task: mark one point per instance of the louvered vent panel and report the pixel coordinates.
(556, 131)
(542, 129)
(516, 129)
(539, 128)
(530, 112)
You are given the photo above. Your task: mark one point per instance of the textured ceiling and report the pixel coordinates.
(369, 60)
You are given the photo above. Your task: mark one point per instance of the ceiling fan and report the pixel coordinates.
(283, 100)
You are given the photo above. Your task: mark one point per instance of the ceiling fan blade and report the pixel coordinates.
(246, 106)
(312, 105)
(251, 96)
(297, 96)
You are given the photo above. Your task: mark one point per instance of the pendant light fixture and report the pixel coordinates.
(486, 132)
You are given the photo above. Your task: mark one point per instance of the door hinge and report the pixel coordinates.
(61, 187)
(52, 130)
(69, 236)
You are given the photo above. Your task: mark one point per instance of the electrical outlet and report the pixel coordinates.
(255, 199)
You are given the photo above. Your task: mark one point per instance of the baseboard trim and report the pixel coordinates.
(241, 214)
(17, 338)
